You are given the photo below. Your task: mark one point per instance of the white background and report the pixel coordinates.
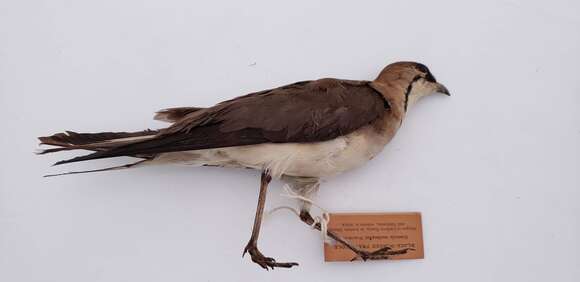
(494, 169)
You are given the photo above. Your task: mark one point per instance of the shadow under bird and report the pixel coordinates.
(299, 133)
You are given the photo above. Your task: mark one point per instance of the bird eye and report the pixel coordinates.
(422, 68)
(428, 76)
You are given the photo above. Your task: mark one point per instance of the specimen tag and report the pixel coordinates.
(401, 232)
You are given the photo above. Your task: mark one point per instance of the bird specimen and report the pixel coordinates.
(299, 133)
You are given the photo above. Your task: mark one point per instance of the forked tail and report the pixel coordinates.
(95, 142)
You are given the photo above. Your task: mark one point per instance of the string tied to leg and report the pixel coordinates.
(322, 219)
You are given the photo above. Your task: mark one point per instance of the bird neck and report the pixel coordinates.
(395, 96)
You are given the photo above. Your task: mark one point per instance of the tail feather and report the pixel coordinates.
(70, 140)
(99, 170)
(74, 138)
(93, 156)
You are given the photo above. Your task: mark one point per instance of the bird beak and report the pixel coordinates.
(442, 89)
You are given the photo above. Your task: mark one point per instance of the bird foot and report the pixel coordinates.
(264, 261)
(383, 253)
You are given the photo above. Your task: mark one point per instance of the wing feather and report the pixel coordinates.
(306, 111)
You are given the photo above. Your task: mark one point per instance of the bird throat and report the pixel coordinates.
(408, 92)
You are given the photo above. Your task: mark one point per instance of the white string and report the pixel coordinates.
(293, 210)
(322, 220)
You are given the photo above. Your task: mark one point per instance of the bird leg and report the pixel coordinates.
(382, 253)
(252, 246)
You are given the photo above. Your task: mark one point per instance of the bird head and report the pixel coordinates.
(414, 79)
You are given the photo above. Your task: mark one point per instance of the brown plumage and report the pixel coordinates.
(299, 132)
(308, 111)
(174, 114)
(71, 140)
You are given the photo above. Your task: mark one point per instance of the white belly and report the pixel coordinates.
(318, 159)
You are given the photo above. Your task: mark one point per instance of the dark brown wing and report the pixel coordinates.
(308, 111)
(174, 114)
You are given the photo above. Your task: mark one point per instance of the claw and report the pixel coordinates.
(264, 261)
(246, 250)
